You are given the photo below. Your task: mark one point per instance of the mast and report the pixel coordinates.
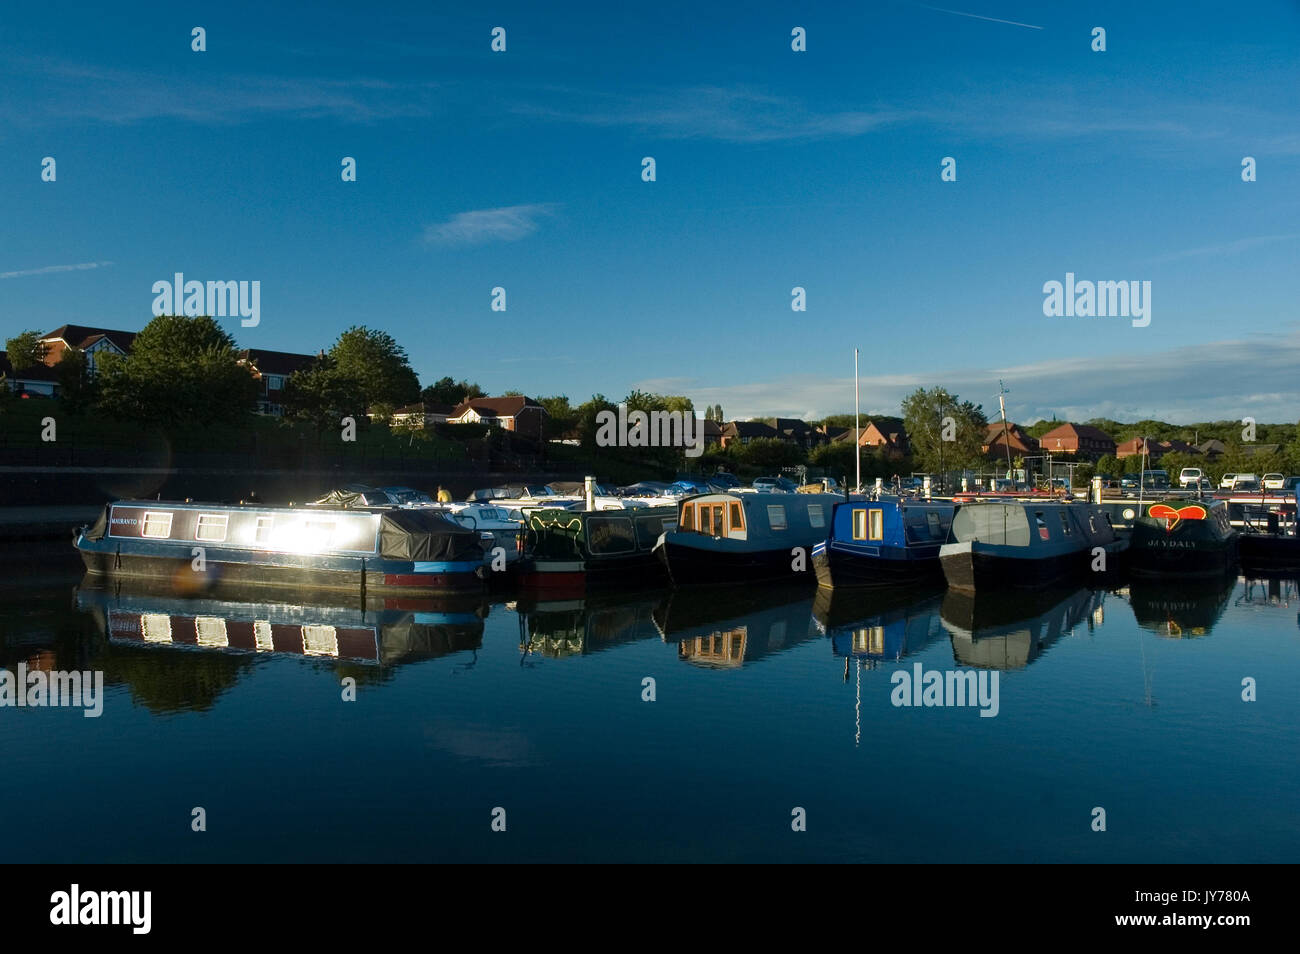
(857, 436)
(1006, 438)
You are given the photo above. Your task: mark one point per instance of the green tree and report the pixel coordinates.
(447, 390)
(377, 364)
(77, 388)
(924, 414)
(182, 371)
(560, 415)
(323, 396)
(25, 351)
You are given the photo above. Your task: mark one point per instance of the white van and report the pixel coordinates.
(1189, 477)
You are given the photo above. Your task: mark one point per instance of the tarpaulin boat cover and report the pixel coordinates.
(426, 535)
(99, 528)
(341, 498)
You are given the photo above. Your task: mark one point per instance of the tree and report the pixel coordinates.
(449, 391)
(77, 389)
(560, 416)
(377, 364)
(182, 371)
(323, 396)
(25, 351)
(924, 414)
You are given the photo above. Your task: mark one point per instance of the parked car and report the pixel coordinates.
(1245, 482)
(774, 485)
(1226, 482)
(1273, 481)
(1291, 485)
(724, 481)
(1107, 480)
(1128, 482)
(1190, 477)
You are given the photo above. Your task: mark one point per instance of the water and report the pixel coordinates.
(765, 701)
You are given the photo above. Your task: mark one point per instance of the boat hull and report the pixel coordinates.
(688, 565)
(106, 559)
(839, 566)
(569, 576)
(972, 568)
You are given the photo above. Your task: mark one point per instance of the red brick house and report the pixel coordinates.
(520, 414)
(1000, 436)
(1077, 439)
(93, 341)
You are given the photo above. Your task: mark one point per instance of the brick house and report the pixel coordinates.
(271, 369)
(999, 437)
(744, 432)
(1080, 440)
(93, 341)
(519, 414)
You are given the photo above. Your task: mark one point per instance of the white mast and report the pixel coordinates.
(857, 437)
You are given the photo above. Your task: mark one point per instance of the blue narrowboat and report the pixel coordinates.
(193, 545)
(745, 536)
(887, 542)
(1027, 544)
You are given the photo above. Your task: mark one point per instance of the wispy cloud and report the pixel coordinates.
(508, 224)
(732, 114)
(66, 91)
(976, 16)
(51, 269)
(1226, 248)
(1233, 379)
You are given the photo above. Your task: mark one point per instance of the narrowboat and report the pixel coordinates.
(886, 542)
(1174, 611)
(242, 620)
(562, 628)
(414, 552)
(575, 549)
(745, 537)
(1004, 630)
(1027, 544)
(1177, 539)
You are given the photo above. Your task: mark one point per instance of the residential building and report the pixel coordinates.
(93, 341)
(272, 369)
(39, 381)
(1080, 440)
(744, 432)
(422, 415)
(519, 414)
(1001, 437)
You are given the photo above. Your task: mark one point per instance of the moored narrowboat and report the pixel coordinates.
(193, 545)
(1027, 544)
(572, 550)
(886, 542)
(745, 537)
(1176, 539)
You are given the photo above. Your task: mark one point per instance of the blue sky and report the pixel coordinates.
(774, 169)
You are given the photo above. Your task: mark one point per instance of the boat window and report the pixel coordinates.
(935, 524)
(688, 517)
(318, 533)
(1043, 533)
(1065, 522)
(815, 515)
(648, 530)
(776, 516)
(156, 627)
(877, 525)
(212, 527)
(157, 525)
(859, 525)
(610, 535)
(262, 533)
(737, 516)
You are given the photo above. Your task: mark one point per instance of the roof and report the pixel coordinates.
(496, 406)
(81, 336)
(748, 429)
(885, 425)
(276, 362)
(1084, 432)
(442, 409)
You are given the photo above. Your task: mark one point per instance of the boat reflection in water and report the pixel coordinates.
(575, 627)
(243, 620)
(878, 626)
(1179, 611)
(1270, 593)
(725, 627)
(1011, 630)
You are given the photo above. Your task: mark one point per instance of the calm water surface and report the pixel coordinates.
(765, 700)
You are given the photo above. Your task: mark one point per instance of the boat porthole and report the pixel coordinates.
(1129, 513)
